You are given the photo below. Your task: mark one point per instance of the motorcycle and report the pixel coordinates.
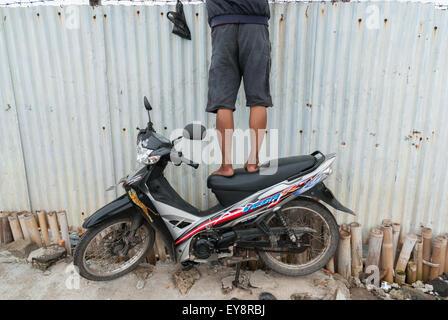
(281, 216)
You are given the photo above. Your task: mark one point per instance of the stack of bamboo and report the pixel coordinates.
(399, 259)
(41, 227)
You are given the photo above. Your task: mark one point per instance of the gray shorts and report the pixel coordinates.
(239, 50)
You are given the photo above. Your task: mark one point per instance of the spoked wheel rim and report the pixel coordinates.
(320, 242)
(105, 254)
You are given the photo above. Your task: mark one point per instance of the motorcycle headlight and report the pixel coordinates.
(144, 155)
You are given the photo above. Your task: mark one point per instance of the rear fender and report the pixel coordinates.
(321, 192)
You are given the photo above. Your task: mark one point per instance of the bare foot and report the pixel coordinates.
(224, 170)
(251, 167)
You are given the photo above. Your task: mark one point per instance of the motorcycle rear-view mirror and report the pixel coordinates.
(194, 131)
(147, 104)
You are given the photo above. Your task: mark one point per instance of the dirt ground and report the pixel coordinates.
(19, 280)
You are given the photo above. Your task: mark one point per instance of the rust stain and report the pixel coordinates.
(94, 17)
(104, 128)
(124, 129)
(377, 145)
(414, 132)
(8, 107)
(59, 15)
(309, 105)
(306, 12)
(197, 16)
(323, 11)
(105, 16)
(161, 14)
(359, 22)
(435, 31)
(38, 16)
(343, 143)
(300, 131)
(138, 15)
(385, 21)
(280, 43)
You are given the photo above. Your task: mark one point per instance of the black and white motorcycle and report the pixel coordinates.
(280, 216)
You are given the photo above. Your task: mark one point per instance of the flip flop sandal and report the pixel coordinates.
(245, 168)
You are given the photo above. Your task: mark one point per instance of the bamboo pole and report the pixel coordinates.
(151, 257)
(374, 250)
(405, 254)
(396, 237)
(344, 255)
(443, 240)
(387, 262)
(345, 227)
(63, 223)
(53, 222)
(160, 246)
(330, 265)
(412, 273)
(14, 223)
(32, 228)
(6, 232)
(41, 216)
(427, 238)
(21, 216)
(446, 255)
(252, 264)
(400, 277)
(438, 246)
(356, 241)
(1, 228)
(418, 257)
(386, 223)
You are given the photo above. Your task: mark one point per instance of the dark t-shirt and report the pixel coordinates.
(238, 11)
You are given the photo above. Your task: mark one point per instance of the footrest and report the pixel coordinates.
(236, 260)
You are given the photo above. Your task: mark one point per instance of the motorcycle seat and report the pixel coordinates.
(254, 181)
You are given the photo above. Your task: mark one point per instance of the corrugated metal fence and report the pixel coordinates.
(364, 80)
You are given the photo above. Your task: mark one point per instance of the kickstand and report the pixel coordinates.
(236, 282)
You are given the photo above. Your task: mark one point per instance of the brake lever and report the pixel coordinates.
(179, 156)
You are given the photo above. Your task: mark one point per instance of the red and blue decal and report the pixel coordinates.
(270, 201)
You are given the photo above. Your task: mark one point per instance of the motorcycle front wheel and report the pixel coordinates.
(107, 251)
(319, 246)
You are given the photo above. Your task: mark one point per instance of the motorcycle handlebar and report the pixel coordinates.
(190, 163)
(179, 158)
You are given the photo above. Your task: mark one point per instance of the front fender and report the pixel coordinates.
(120, 205)
(321, 192)
(124, 205)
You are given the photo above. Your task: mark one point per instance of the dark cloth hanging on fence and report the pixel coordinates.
(180, 24)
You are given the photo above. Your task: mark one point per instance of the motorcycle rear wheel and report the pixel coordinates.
(321, 249)
(98, 254)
